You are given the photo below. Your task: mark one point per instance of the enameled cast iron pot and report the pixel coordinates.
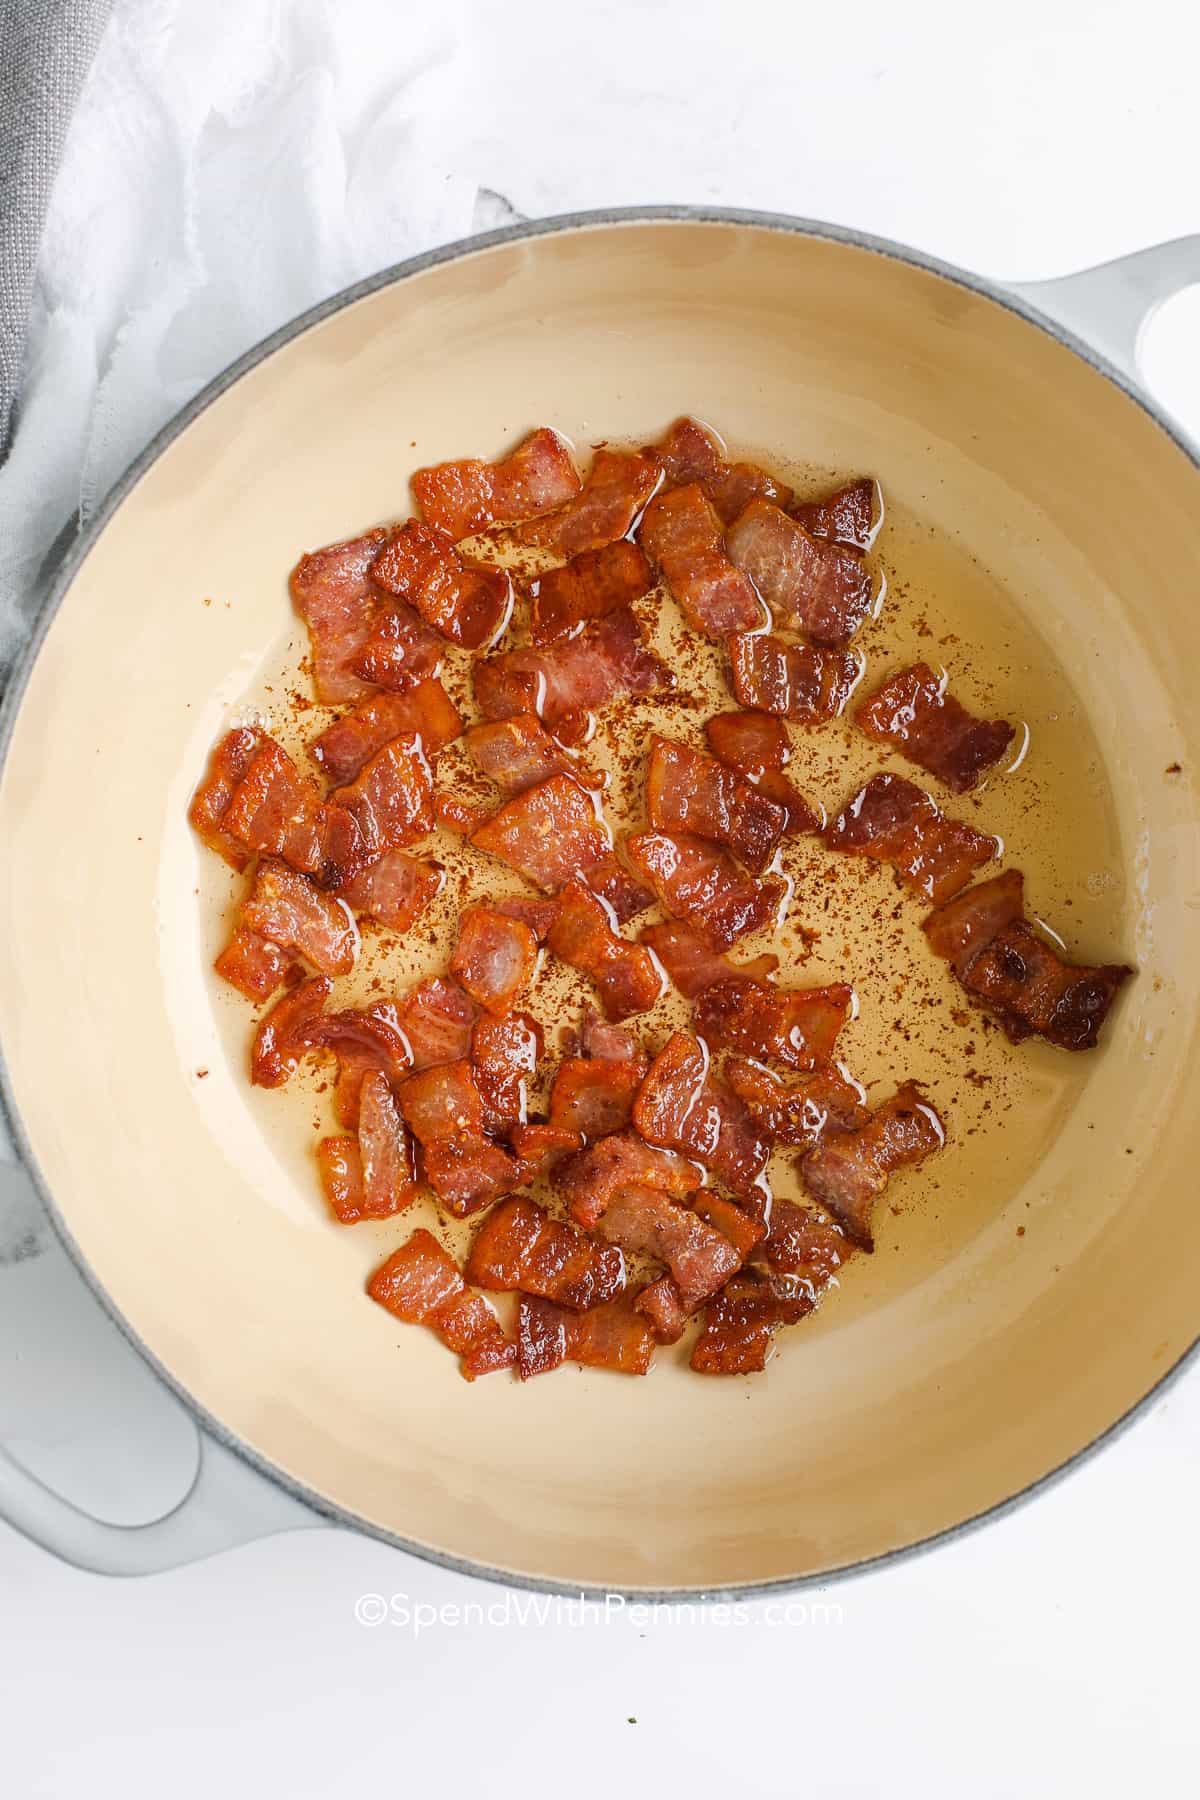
(978, 406)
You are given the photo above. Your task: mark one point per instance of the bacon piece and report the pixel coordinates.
(803, 1248)
(400, 651)
(588, 587)
(604, 1041)
(702, 885)
(802, 1113)
(810, 584)
(444, 1110)
(339, 1165)
(554, 832)
(227, 765)
(391, 800)
(519, 753)
(614, 1336)
(756, 745)
(588, 1181)
(592, 1096)
(892, 821)
(660, 1303)
(279, 812)
(793, 681)
(520, 1246)
(494, 958)
(287, 909)
(744, 1231)
(279, 1041)
(363, 1040)
(389, 1165)
(690, 452)
(393, 888)
(504, 1056)
(929, 727)
(617, 488)
(333, 592)
(604, 662)
(851, 516)
(797, 1027)
(681, 1107)
(626, 976)
(464, 497)
(689, 791)
(645, 1220)
(683, 535)
(421, 1284)
(848, 1171)
(467, 603)
(692, 965)
(540, 1144)
(963, 927)
(539, 915)
(436, 1017)
(427, 709)
(740, 1324)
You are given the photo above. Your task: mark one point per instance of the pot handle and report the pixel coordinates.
(1110, 305)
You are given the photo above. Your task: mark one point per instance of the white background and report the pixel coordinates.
(1049, 1653)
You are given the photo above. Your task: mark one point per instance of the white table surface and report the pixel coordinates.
(1049, 1653)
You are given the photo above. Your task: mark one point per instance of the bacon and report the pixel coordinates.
(279, 1041)
(588, 1181)
(539, 915)
(427, 709)
(467, 603)
(617, 488)
(253, 965)
(705, 887)
(793, 681)
(682, 533)
(400, 651)
(680, 1107)
(279, 812)
(363, 1040)
(520, 1246)
(810, 584)
(692, 965)
(1015, 973)
(756, 745)
(339, 1165)
(452, 813)
(660, 1303)
(929, 727)
(436, 1017)
(894, 822)
(389, 1165)
(394, 889)
(851, 516)
(802, 1113)
(645, 1220)
(744, 1231)
(592, 1096)
(848, 1171)
(288, 910)
(421, 1284)
(333, 592)
(802, 1246)
(614, 1336)
(740, 1324)
(606, 1042)
(554, 832)
(227, 765)
(588, 587)
(391, 800)
(494, 958)
(797, 1027)
(689, 791)
(604, 662)
(464, 497)
(626, 976)
(539, 1145)
(504, 1056)
(519, 753)
(690, 452)
(444, 1110)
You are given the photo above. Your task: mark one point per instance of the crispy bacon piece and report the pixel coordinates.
(851, 516)
(756, 745)
(421, 1284)
(436, 1017)
(740, 1324)
(278, 811)
(540, 1144)
(252, 964)
(802, 1113)
(592, 1096)
(600, 1039)
(626, 976)
(797, 1027)
(682, 533)
(554, 832)
(660, 1303)
(427, 709)
(645, 1220)
(793, 681)
(519, 753)
(391, 800)
(494, 958)
(279, 1041)
(690, 452)
(810, 583)
(504, 1056)
(617, 487)
(848, 1171)
(339, 1165)
(588, 1181)
(464, 497)
(227, 765)
(393, 888)
(613, 1336)
(689, 791)
(467, 603)
(444, 1110)
(389, 1165)
(334, 594)
(363, 1040)
(520, 1246)
(400, 651)
(692, 965)
(704, 886)
(1015, 973)
(452, 812)
(892, 821)
(681, 1107)
(803, 1247)
(588, 587)
(744, 1231)
(606, 661)
(539, 915)
(913, 712)
(288, 910)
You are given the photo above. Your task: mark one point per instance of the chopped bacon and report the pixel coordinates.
(393, 888)
(518, 753)
(797, 1027)
(279, 1042)
(689, 791)
(613, 1336)
(617, 488)
(400, 652)
(228, 763)
(539, 1145)
(389, 1166)
(601, 1040)
(660, 1303)
(278, 811)
(681, 1107)
(645, 1220)
(421, 1284)
(504, 1056)
(436, 1018)
(444, 1110)
(1016, 973)
(520, 1246)
(744, 1231)
(592, 1096)
(588, 1181)
(464, 497)
(692, 965)
(333, 592)
(626, 976)
(604, 662)
(551, 833)
(802, 1113)
(810, 583)
(339, 1164)
(793, 681)
(892, 821)
(756, 745)
(851, 516)
(427, 709)
(539, 915)
(362, 1040)
(286, 908)
(740, 1324)
(929, 727)
(690, 452)
(682, 533)
(803, 1246)
(588, 587)
(848, 1171)
(252, 964)
(452, 813)
(391, 799)
(466, 602)
(704, 886)
(494, 958)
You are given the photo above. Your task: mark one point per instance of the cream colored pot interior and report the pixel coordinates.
(1020, 1302)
